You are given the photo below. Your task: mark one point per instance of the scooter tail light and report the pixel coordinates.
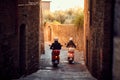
(56, 56)
(70, 55)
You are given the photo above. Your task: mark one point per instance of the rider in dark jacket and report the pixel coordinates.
(56, 45)
(70, 43)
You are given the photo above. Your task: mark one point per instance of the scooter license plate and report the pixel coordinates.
(56, 61)
(70, 59)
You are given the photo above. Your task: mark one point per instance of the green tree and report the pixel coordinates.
(60, 16)
(70, 11)
(79, 19)
(49, 16)
(72, 15)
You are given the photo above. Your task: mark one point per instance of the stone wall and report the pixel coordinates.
(116, 59)
(64, 32)
(116, 55)
(95, 38)
(98, 38)
(41, 31)
(28, 14)
(9, 66)
(108, 40)
(19, 42)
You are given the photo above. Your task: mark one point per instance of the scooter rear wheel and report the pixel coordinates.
(55, 65)
(70, 62)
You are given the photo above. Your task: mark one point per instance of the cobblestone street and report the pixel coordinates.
(64, 71)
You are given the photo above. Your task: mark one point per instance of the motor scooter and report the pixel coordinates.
(70, 55)
(55, 57)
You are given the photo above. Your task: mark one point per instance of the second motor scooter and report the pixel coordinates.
(70, 55)
(71, 47)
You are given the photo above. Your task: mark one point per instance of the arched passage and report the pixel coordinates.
(22, 55)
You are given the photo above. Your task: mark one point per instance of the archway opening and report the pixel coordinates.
(22, 56)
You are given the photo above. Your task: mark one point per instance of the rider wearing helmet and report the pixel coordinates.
(71, 43)
(56, 44)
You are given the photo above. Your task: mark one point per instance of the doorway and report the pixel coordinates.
(22, 47)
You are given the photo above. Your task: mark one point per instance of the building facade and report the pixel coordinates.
(45, 5)
(19, 28)
(100, 27)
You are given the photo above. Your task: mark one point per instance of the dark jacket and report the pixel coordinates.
(70, 44)
(55, 45)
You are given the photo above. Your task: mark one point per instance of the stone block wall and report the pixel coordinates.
(108, 40)
(116, 59)
(95, 39)
(28, 14)
(9, 66)
(19, 38)
(116, 55)
(64, 32)
(98, 38)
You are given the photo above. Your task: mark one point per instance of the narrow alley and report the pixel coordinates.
(64, 71)
(22, 30)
